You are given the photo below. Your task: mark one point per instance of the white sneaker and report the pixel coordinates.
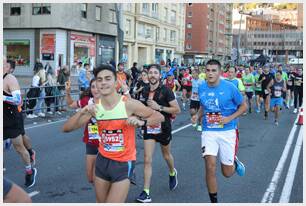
(50, 112)
(40, 114)
(58, 112)
(30, 116)
(295, 111)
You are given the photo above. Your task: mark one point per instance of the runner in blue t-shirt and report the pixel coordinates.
(221, 104)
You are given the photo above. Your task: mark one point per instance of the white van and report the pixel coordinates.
(296, 61)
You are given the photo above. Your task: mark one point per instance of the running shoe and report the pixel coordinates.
(173, 181)
(199, 128)
(295, 111)
(50, 112)
(58, 112)
(257, 111)
(144, 197)
(30, 178)
(194, 125)
(276, 122)
(40, 114)
(239, 167)
(33, 157)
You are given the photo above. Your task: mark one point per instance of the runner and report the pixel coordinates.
(278, 86)
(237, 82)
(298, 89)
(13, 125)
(221, 104)
(249, 81)
(265, 78)
(140, 85)
(290, 88)
(162, 99)
(90, 138)
(194, 99)
(285, 78)
(117, 117)
(172, 83)
(186, 84)
(258, 92)
(122, 76)
(12, 193)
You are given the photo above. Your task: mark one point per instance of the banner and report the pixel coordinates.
(48, 44)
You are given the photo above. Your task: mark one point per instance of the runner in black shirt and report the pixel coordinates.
(298, 88)
(265, 78)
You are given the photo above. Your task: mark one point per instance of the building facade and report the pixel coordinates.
(267, 34)
(86, 33)
(153, 33)
(208, 32)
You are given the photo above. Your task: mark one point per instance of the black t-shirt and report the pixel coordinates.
(298, 80)
(268, 78)
(135, 73)
(140, 95)
(162, 96)
(290, 78)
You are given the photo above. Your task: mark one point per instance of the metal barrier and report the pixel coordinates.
(74, 92)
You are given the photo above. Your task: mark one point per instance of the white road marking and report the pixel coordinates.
(285, 196)
(31, 194)
(44, 124)
(181, 128)
(269, 194)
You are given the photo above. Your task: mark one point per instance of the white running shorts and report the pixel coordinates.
(224, 142)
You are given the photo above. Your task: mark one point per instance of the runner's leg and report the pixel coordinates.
(90, 167)
(102, 188)
(118, 191)
(166, 151)
(149, 146)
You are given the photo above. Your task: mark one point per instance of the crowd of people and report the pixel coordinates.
(113, 102)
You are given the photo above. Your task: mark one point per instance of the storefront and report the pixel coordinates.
(83, 48)
(106, 49)
(19, 45)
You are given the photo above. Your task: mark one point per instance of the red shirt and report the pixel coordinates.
(187, 79)
(82, 103)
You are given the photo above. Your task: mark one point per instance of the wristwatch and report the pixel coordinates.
(161, 108)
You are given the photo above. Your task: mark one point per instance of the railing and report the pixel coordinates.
(74, 92)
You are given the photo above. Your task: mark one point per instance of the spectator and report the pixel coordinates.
(62, 78)
(52, 90)
(37, 65)
(84, 78)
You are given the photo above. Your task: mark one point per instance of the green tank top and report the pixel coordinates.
(257, 83)
(248, 80)
(118, 112)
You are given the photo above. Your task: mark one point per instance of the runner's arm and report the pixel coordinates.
(14, 89)
(145, 113)
(173, 109)
(78, 120)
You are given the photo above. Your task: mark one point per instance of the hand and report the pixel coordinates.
(225, 120)
(134, 121)
(89, 109)
(153, 105)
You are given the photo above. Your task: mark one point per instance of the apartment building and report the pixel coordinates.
(208, 32)
(153, 32)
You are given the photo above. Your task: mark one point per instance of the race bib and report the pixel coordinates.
(277, 93)
(266, 91)
(289, 83)
(298, 83)
(93, 132)
(213, 120)
(113, 140)
(156, 129)
(194, 96)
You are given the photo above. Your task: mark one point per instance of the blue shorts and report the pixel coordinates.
(276, 102)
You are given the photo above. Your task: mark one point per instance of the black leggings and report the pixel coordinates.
(298, 91)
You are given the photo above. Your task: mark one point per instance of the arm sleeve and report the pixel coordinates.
(15, 99)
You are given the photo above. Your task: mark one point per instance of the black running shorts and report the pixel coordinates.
(91, 149)
(114, 171)
(194, 104)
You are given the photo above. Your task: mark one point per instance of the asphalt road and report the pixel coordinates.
(61, 164)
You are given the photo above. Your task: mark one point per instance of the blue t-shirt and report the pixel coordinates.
(195, 89)
(217, 102)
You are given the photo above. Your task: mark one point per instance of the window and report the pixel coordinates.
(141, 30)
(189, 36)
(148, 32)
(39, 9)
(166, 15)
(157, 33)
(127, 7)
(19, 51)
(112, 16)
(84, 10)
(128, 26)
(188, 46)
(189, 25)
(145, 8)
(190, 14)
(155, 10)
(173, 17)
(15, 11)
(173, 36)
(98, 13)
(165, 35)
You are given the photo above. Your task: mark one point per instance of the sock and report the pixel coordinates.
(213, 197)
(172, 173)
(30, 151)
(28, 169)
(147, 191)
